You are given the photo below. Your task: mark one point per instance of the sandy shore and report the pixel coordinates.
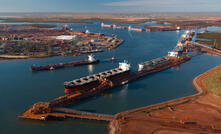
(198, 113)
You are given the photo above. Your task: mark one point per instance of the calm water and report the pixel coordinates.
(20, 88)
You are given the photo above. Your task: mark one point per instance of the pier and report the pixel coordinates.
(114, 26)
(207, 49)
(59, 113)
(84, 115)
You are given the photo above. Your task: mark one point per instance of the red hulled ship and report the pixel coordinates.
(90, 60)
(90, 82)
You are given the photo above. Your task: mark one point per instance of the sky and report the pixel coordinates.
(110, 6)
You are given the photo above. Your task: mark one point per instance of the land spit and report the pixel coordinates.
(199, 113)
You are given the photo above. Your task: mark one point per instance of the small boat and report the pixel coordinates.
(52, 68)
(112, 59)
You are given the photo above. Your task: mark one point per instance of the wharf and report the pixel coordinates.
(65, 113)
(207, 49)
(114, 26)
(198, 47)
(84, 115)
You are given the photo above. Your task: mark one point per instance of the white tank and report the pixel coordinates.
(91, 58)
(124, 66)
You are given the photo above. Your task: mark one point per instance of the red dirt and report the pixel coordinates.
(199, 113)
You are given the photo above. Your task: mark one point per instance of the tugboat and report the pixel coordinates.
(112, 59)
(51, 68)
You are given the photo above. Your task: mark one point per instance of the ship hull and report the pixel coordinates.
(171, 62)
(62, 65)
(94, 84)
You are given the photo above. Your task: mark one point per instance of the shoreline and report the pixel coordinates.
(13, 57)
(115, 127)
(7, 57)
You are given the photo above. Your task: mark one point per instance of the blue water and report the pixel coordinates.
(20, 88)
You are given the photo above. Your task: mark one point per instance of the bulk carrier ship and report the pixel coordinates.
(93, 81)
(90, 60)
(173, 58)
(162, 63)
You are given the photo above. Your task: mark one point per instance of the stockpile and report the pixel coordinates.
(41, 108)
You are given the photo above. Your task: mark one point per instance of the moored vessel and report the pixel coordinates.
(105, 25)
(90, 60)
(173, 58)
(93, 81)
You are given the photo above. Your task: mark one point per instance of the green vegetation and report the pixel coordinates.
(213, 83)
(213, 37)
(165, 106)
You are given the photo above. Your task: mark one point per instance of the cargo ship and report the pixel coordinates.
(119, 27)
(90, 60)
(172, 59)
(106, 25)
(93, 81)
(91, 51)
(135, 29)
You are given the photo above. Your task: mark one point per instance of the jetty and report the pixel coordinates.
(60, 113)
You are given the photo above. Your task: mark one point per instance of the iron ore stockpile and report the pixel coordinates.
(79, 89)
(90, 60)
